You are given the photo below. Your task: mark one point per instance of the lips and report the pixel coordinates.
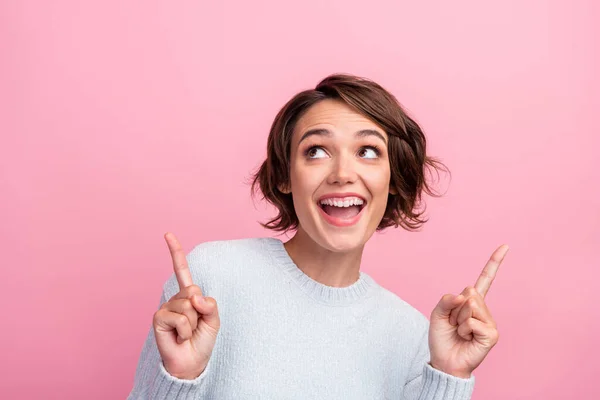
(341, 209)
(341, 196)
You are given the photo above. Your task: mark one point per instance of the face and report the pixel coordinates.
(339, 175)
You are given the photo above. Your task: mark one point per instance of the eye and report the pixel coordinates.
(369, 152)
(315, 152)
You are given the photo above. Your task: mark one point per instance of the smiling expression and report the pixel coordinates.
(339, 175)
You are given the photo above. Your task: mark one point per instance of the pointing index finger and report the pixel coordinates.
(180, 265)
(489, 271)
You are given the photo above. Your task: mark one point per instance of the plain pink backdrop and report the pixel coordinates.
(123, 120)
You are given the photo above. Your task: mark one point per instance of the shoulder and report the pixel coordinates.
(211, 263)
(226, 249)
(401, 312)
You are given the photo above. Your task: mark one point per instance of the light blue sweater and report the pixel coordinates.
(285, 336)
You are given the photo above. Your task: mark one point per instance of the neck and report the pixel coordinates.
(331, 268)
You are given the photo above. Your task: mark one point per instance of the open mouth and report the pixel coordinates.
(342, 208)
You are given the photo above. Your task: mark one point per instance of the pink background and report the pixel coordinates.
(123, 120)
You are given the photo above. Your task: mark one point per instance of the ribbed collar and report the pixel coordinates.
(335, 296)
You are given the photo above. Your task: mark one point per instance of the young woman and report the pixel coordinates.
(299, 320)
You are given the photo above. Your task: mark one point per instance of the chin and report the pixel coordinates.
(341, 243)
(342, 239)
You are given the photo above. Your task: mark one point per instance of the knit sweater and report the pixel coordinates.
(284, 335)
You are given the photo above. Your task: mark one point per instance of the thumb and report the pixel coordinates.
(207, 308)
(445, 306)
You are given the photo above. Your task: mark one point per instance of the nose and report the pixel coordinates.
(343, 171)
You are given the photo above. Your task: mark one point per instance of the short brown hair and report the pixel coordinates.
(406, 148)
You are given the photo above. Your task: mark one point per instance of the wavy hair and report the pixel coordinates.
(406, 147)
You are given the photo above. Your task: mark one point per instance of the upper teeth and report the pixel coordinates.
(343, 202)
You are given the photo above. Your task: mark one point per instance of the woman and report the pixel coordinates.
(298, 320)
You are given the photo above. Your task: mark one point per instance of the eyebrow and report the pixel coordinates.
(326, 132)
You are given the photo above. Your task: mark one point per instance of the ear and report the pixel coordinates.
(393, 190)
(284, 188)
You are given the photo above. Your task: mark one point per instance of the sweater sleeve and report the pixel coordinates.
(427, 383)
(152, 381)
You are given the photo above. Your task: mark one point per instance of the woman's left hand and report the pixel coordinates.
(462, 331)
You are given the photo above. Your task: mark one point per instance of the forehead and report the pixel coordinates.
(335, 115)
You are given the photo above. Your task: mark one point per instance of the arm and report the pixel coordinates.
(152, 381)
(175, 359)
(458, 337)
(427, 383)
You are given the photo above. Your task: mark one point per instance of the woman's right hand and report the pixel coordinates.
(186, 326)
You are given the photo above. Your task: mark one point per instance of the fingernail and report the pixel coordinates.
(200, 299)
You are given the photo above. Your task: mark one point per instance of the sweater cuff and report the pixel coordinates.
(438, 385)
(168, 386)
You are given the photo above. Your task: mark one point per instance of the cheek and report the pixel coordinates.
(307, 176)
(378, 182)
(304, 183)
